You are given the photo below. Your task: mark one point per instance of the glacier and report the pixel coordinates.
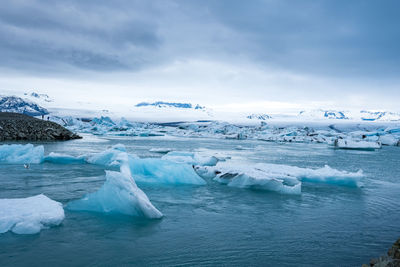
(29, 215)
(21, 154)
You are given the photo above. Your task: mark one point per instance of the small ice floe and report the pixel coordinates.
(191, 158)
(161, 150)
(357, 145)
(29, 215)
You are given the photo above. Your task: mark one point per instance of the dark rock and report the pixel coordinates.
(14, 126)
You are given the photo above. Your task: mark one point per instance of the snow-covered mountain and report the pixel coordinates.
(379, 116)
(20, 105)
(162, 104)
(37, 96)
(259, 116)
(323, 114)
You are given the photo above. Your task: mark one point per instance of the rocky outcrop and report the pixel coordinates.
(391, 260)
(14, 126)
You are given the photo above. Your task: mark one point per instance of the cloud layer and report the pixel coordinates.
(354, 43)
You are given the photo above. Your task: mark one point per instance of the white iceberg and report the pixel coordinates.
(161, 150)
(118, 195)
(190, 158)
(277, 177)
(388, 140)
(357, 145)
(21, 154)
(29, 215)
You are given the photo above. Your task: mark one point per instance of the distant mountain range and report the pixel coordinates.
(20, 105)
(363, 115)
(30, 106)
(162, 104)
(43, 97)
(259, 116)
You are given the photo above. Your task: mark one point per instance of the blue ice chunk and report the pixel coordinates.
(190, 158)
(109, 157)
(118, 195)
(153, 170)
(63, 159)
(21, 154)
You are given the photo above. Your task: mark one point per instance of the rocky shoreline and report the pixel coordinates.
(391, 260)
(15, 126)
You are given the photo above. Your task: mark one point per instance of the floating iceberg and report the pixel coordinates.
(110, 157)
(29, 215)
(326, 175)
(190, 158)
(118, 195)
(357, 145)
(63, 158)
(21, 154)
(161, 150)
(389, 140)
(277, 177)
(153, 170)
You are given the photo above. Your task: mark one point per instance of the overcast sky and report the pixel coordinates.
(257, 54)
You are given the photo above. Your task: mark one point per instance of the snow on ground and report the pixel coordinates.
(29, 215)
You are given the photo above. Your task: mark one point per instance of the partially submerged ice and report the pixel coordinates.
(29, 215)
(191, 158)
(276, 177)
(110, 157)
(21, 154)
(357, 145)
(153, 170)
(118, 195)
(63, 158)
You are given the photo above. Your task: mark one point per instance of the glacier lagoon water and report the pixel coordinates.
(213, 224)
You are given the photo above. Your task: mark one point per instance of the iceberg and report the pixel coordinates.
(154, 170)
(277, 177)
(190, 158)
(118, 195)
(63, 158)
(160, 150)
(357, 145)
(29, 215)
(242, 176)
(388, 140)
(326, 174)
(110, 157)
(21, 154)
